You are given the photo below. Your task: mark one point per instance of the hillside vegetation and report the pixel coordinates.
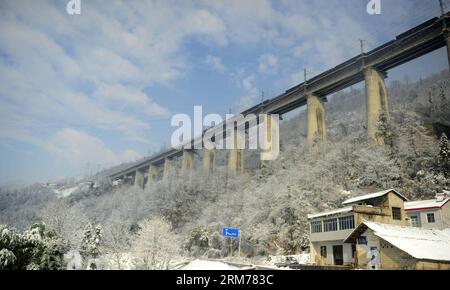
(268, 204)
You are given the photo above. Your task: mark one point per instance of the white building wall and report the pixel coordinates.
(423, 219)
(347, 251)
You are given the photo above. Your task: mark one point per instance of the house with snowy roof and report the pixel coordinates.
(432, 213)
(395, 247)
(329, 229)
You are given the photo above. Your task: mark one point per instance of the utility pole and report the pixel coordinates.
(305, 80)
(262, 100)
(362, 41)
(239, 247)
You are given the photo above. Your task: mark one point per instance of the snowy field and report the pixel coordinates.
(208, 265)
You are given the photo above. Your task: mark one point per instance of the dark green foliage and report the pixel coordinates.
(34, 249)
(444, 155)
(198, 241)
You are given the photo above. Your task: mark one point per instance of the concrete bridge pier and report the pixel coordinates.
(167, 168)
(316, 131)
(209, 160)
(152, 173)
(139, 178)
(377, 102)
(236, 156)
(272, 137)
(187, 161)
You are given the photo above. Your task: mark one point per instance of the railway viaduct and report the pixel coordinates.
(371, 67)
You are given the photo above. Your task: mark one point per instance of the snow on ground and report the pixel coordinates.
(122, 261)
(446, 231)
(73, 260)
(208, 265)
(64, 192)
(302, 259)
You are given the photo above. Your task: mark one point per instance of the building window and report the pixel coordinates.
(330, 225)
(430, 218)
(316, 227)
(362, 240)
(415, 221)
(346, 223)
(323, 251)
(396, 213)
(353, 250)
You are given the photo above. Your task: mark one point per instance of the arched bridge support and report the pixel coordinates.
(187, 161)
(209, 160)
(316, 131)
(236, 157)
(152, 173)
(377, 102)
(167, 168)
(139, 178)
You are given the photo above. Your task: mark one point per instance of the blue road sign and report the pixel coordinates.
(230, 232)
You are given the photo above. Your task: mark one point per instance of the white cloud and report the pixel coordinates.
(251, 92)
(89, 71)
(267, 62)
(79, 148)
(247, 83)
(97, 70)
(215, 62)
(128, 97)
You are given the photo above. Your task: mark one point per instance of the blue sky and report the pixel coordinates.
(101, 87)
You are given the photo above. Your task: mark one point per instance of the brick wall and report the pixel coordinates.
(393, 258)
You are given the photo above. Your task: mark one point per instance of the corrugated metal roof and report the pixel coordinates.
(372, 195)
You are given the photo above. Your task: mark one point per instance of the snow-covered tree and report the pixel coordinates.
(65, 219)
(304, 242)
(444, 149)
(90, 244)
(7, 260)
(198, 241)
(34, 249)
(116, 242)
(155, 245)
(385, 131)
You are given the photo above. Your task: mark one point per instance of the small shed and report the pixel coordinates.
(386, 246)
